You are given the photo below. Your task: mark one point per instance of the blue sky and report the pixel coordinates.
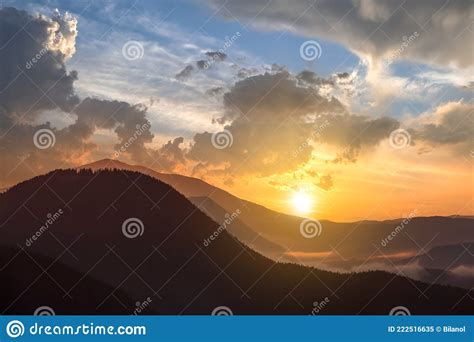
(165, 27)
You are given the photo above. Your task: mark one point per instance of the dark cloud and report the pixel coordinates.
(276, 95)
(343, 75)
(451, 124)
(128, 121)
(275, 122)
(185, 73)
(352, 133)
(169, 157)
(216, 55)
(33, 52)
(202, 64)
(269, 117)
(212, 57)
(34, 79)
(309, 77)
(368, 27)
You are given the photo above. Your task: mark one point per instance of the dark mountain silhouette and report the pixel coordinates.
(238, 229)
(26, 286)
(166, 261)
(216, 203)
(344, 247)
(453, 264)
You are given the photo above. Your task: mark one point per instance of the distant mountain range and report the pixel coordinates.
(342, 247)
(108, 241)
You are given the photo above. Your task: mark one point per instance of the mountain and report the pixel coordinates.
(111, 236)
(452, 264)
(237, 228)
(344, 247)
(30, 281)
(206, 197)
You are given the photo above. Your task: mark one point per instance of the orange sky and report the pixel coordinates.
(384, 184)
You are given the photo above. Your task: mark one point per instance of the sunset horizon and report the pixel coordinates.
(305, 165)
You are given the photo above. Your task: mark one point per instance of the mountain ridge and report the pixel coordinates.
(168, 261)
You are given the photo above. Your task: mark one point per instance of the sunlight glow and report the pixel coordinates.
(302, 202)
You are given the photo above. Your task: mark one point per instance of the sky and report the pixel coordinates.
(343, 110)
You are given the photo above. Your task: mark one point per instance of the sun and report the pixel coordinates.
(302, 202)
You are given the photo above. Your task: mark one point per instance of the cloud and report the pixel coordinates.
(275, 122)
(169, 157)
(353, 133)
(449, 124)
(128, 121)
(202, 64)
(185, 73)
(40, 46)
(216, 55)
(33, 75)
(370, 28)
(257, 109)
(325, 182)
